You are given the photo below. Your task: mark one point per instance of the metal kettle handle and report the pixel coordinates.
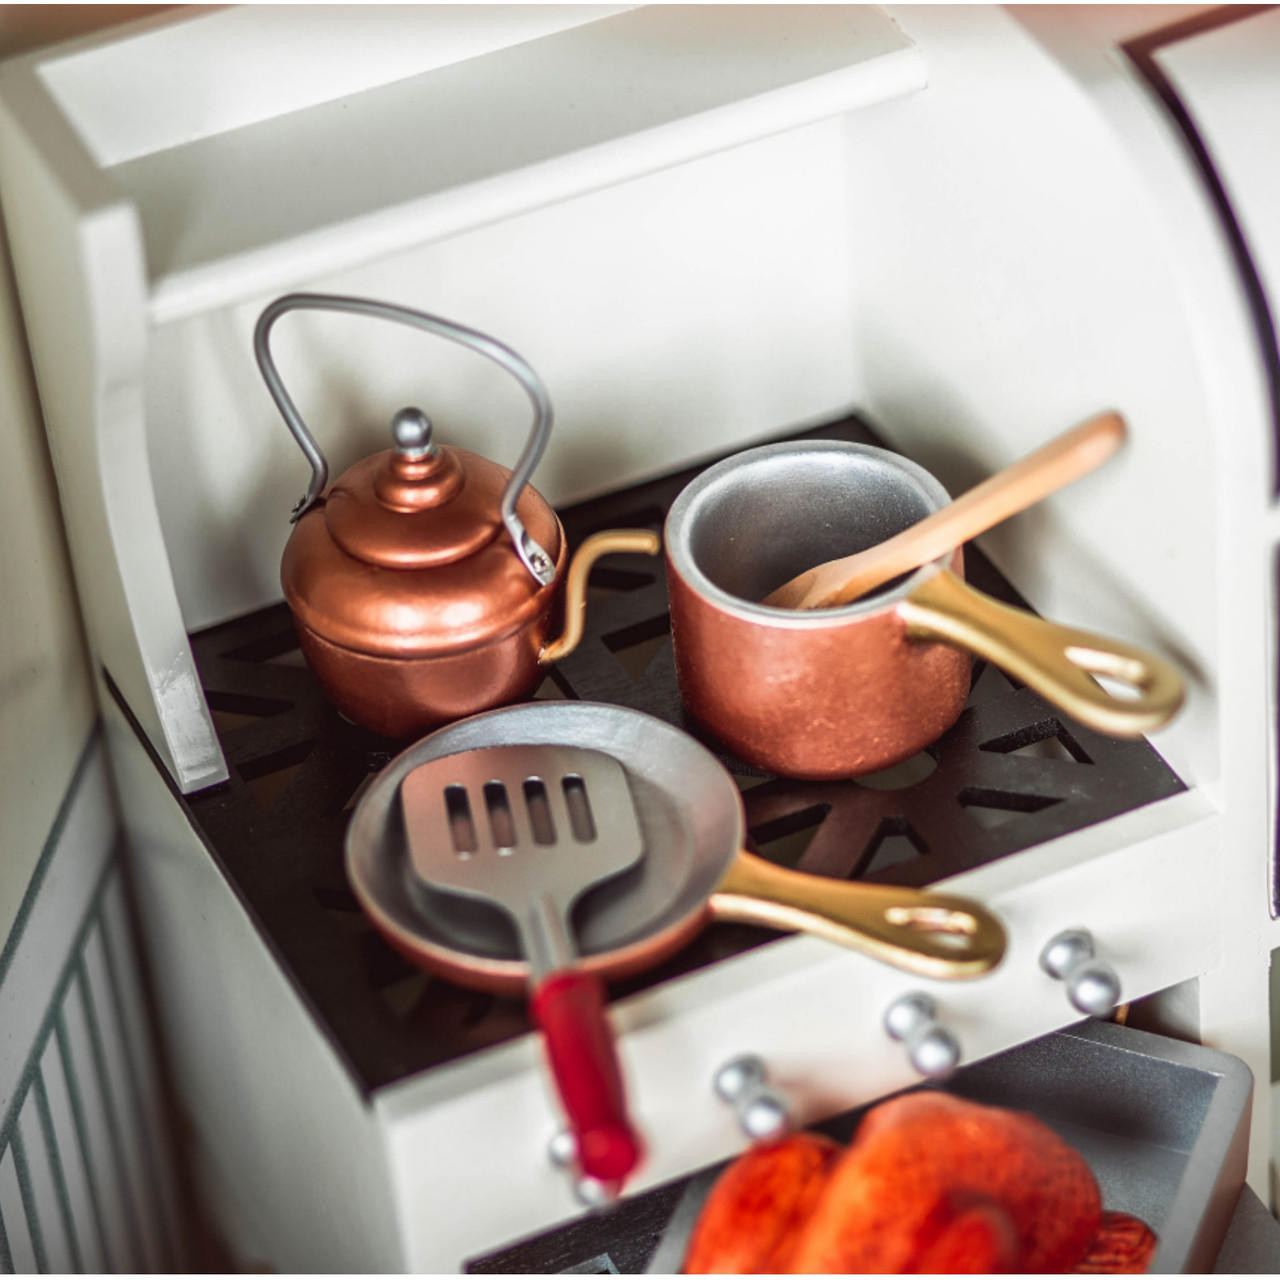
(534, 557)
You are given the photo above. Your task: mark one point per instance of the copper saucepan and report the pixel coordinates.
(833, 693)
(428, 583)
(693, 871)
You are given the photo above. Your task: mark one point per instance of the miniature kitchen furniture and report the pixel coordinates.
(705, 227)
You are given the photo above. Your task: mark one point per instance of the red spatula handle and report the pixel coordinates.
(569, 1007)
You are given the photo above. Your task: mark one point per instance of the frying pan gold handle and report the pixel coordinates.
(1057, 662)
(937, 935)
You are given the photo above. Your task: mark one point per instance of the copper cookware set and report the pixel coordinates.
(429, 587)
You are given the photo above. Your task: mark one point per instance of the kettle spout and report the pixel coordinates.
(575, 592)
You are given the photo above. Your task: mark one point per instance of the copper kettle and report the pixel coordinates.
(425, 583)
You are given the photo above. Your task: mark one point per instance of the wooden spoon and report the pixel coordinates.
(1051, 467)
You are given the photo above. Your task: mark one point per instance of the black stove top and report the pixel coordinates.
(1011, 773)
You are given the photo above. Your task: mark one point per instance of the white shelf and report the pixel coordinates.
(232, 208)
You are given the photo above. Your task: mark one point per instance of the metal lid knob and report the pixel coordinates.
(411, 431)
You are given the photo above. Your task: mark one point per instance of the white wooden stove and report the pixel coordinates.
(704, 226)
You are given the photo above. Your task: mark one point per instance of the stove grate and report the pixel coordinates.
(1011, 773)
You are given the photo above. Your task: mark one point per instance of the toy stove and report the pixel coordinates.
(1011, 773)
(954, 230)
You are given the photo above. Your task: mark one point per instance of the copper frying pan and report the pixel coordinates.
(694, 869)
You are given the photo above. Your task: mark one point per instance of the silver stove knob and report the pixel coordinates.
(932, 1049)
(1092, 985)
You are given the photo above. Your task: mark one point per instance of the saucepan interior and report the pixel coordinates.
(757, 519)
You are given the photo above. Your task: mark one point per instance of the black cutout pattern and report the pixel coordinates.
(637, 646)
(1048, 740)
(1009, 774)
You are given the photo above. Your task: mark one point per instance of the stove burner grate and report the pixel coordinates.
(1011, 773)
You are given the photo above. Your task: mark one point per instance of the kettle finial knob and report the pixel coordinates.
(411, 430)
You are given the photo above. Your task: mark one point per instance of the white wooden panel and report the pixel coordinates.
(1229, 78)
(287, 1152)
(249, 63)
(98, 1132)
(42, 663)
(137, 1036)
(137, 1172)
(77, 256)
(86, 1229)
(47, 1223)
(36, 954)
(79, 1098)
(251, 209)
(80, 1151)
(17, 1251)
(1223, 742)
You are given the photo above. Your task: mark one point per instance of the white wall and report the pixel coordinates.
(46, 700)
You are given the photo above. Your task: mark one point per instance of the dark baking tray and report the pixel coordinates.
(1163, 1124)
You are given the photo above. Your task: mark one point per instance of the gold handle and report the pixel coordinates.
(937, 935)
(1057, 662)
(575, 590)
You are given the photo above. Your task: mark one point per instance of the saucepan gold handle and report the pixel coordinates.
(937, 935)
(1058, 662)
(575, 587)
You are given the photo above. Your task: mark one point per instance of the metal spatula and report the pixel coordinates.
(530, 829)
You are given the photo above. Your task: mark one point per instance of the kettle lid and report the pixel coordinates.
(416, 505)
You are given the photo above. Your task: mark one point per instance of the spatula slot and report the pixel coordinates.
(500, 823)
(462, 827)
(579, 806)
(540, 820)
